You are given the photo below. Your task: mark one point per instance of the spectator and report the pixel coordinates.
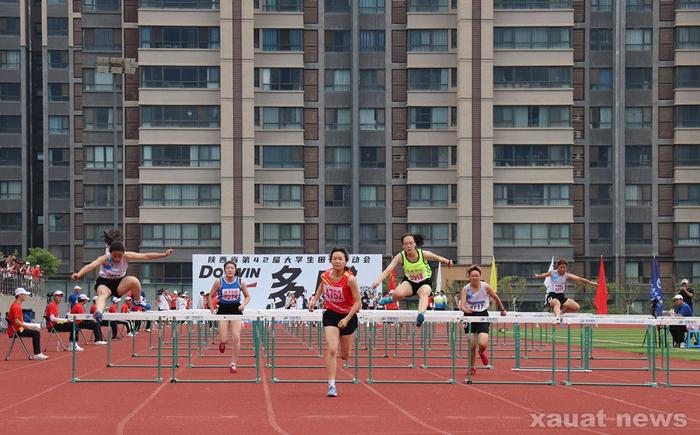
(57, 324)
(79, 308)
(687, 293)
(73, 299)
(440, 301)
(113, 309)
(164, 300)
(202, 302)
(364, 300)
(291, 301)
(15, 322)
(173, 301)
(680, 309)
(36, 272)
(181, 303)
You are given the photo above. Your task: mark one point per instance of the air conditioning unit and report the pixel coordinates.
(578, 174)
(578, 134)
(399, 175)
(577, 117)
(577, 156)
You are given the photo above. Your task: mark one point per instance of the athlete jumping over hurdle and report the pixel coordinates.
(475, 302)
(228, 289)
(112, 279)
(555, 292)
(417, 274)
(342, 302)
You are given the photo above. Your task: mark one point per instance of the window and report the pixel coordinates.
(10, 221)
(372, 79)
(532, 194)
(531, 116)
(337, 80)
(59, 222)
(428, 157)
(101, 118)
(9, 26)
(372, 234)
(638, 5)
(58, 59)
(93, 235)
(532, 77)
(94, 81)
(686, 269)
(637, 234)
(424, 118)
(688, 76)
(10, 190)
(278, 195)
(428, 195)
(686, 155)
(532, 155)
(338, 157)
(10, 156)
(337, 6)
(282, 117)
(167, 235)
(176, 273)
(638, 117)
(102, 39)
(180, 116)
(338, 235)
(179, 77)
(278, 235)
(601, 233)
(101, 157)
(453, 38)
(687, 234)
(179, 37)
(372, 157)
(531, 37)
(427, 40)
(687, 116)
(433, 234)
(11, 123)
(59, 189)
(638, 155)
(532, 4)
(59, 124)
(372, 119)
(337, 41)
(280, 156)
(428, 79)
(686, 194)
(338, 119)
(638, 39)
(10, 91)
(100, 195)
(601, 117)
(180, 155)
(338, 195)
(601, 79)
(9, 59)
(282, 39)
(372, 40)
(638, 78)
(59, 157)
(61, 251)
(278, 79)
(58, 92)
(601, 5)
(600, 194)
(687, 4)
(371, 6)
(372, 196)
(180, 195)
(103, 5)
(281, 5)
(428, 6)
(601, 39)
(637, 195)
(531, 235)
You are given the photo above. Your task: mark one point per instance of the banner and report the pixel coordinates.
(269, 277)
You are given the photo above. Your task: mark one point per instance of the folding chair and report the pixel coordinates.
(82, 335)
(59, 343)
(16, 337)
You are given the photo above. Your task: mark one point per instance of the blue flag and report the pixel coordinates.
(655, 289)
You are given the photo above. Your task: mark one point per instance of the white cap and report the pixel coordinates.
(685, 281)
(678, 297)
(21, 291)
(94, 298)
(77, 287)
(58, 293)
(26, 262)
(83, 297)
(115, 300)
(128, 298)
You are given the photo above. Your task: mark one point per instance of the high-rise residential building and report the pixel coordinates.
(524, 129)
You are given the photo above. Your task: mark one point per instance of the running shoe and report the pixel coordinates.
(332, 391)
(100, 343)
(97, 316)
(222, 347)
(420, 319)
(42, 357)
(232, 369)
(74, 346)
(484, 358)
(385, 300)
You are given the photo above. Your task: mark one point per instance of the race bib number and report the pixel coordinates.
(333, 294)
(478, 306)
(416, 277)
(230, 294)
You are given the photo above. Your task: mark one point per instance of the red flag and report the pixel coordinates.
(601, 296)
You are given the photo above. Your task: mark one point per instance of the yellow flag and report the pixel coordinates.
(493, 280)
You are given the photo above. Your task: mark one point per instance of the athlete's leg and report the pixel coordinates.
(556, 307)
(570, 306)
(129, 283)
(346, 342)
(472, 353)
(402, 291)
(223, 330)
(332, 339)
(103, 292)
(424, 295)
(235, 340)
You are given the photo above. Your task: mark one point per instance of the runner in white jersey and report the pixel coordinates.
(112, 280)
(555, 292)
(475, 298)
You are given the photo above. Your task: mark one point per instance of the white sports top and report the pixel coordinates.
(110, 270)
(558, 282)
(477, 300)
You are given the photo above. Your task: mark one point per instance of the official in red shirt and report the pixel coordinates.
(113, 309)
(58, 324)
(79, 308)
(16, 323)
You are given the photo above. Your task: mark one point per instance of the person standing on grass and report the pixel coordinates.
(342, 303)
(475, 298)
(229, 289)
(555, 294)
(16, 323)
(417, 279)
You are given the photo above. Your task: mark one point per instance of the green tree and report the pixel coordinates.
(46, 260)
(625, 295)
(454, 288)
(511, 290)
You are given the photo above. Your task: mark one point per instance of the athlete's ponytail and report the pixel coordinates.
(111, 236)
(418, 238)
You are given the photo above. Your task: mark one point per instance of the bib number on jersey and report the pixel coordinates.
(334, 294)
(231, 294)
(416, 277)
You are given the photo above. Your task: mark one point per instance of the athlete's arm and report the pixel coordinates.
(88, 267)
(394, 262)
(496, 299)
(463, 299)
(315, 297)
(212, 292)
(581, 280)
(355, 289)
(136, 256)
(544, 275)
(430, 256)
(246, 300)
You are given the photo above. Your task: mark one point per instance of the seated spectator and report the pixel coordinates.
(15, 322)
(79, 308)
(57, 324)
(680, 309)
